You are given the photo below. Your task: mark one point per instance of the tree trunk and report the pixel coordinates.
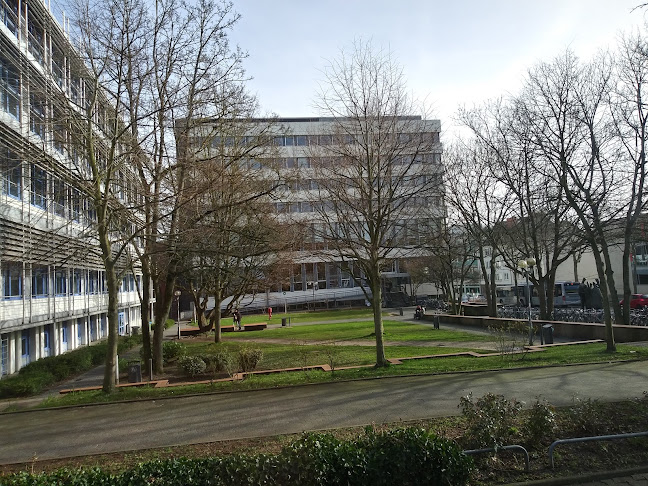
(216, 317)
(376, 301)
(110, 369)
(146, 306)
(165, 299)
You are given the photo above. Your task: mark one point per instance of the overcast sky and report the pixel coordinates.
(453, 52)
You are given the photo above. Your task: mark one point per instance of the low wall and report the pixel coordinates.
(573, 330)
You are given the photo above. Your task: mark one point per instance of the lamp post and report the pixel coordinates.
(527, 265)
(177, 294)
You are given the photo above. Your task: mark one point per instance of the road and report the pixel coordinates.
(58, 433)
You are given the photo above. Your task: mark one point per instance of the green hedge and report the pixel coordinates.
(35, 377)
(409, 456)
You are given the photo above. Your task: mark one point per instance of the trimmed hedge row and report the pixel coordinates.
(35, 377)
(409, 456)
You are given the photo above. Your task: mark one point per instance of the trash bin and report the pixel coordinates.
(134, 372)
(400, 311)
(284, 321)
(547, 333)
(436, 320)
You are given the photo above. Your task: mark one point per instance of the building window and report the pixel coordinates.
(58, 64)
(121, 321)
(64, 337)
(76, 284)
(60, 282)
(35, 40)
(12, 280)
(302, 140)
(80, 331)
(59, 196)
(10, 174)
(37, 114)
(9, 15)
(4, 363)
(24, 346)
(40, 281)
(75, 205)
(93, 282)
(9, 88)
(38, 187)
(46, 340)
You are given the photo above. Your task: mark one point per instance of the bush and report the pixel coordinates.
(587, 417)
(36, 376)
(413, 456)
(172, 350)
(540, 423)
(25, 385)
(220, 362)
(490, 420)
(406, 457)
(511, 338)
(192, 365)
(248, 359)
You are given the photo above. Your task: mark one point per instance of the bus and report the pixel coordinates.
(565, 294)
(507, 295)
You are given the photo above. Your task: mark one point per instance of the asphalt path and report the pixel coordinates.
(74, 431)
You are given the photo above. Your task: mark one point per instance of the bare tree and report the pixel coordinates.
(229, 234)
(481, 202)
(629, 111)
(375, 167)
(563, 105)
(520, 210)
(163, 71)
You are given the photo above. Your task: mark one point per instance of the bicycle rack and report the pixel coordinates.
(591, 439)
(514, 447)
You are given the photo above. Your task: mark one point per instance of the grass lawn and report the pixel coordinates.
(363, 330)
(302, 346)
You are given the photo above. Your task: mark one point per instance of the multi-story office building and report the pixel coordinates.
(52, 291)
(301, 147)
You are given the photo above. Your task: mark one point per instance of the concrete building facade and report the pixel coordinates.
(52, 287)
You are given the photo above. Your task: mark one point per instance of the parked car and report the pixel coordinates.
(637, 301)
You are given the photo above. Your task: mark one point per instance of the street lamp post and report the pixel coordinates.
(527, 265)
(177, 294)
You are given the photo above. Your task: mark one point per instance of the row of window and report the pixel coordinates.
(217, 142)
(48, 54)
(318, 206)
(317, 140)
(46, 281)
(420, 180)
(311, 162)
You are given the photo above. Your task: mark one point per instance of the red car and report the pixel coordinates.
(637, 301)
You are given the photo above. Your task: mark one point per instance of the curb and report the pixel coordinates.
(568, 480)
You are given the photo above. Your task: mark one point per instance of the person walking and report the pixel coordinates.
(269, 313)
(237, 319)
(582, 293)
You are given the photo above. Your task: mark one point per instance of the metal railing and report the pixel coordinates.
(591, 439)
(514, 447)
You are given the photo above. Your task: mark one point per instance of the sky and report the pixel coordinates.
(453, 52)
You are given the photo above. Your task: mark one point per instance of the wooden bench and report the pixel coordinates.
(190, 331)
(255, 326)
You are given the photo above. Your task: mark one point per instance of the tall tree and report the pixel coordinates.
(375, 166)
(164, 70)
(563, 105)
(629, 109)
